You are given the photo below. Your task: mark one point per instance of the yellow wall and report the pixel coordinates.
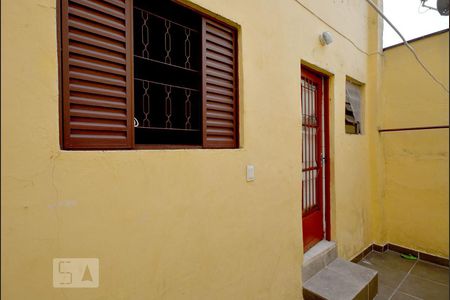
(416, 175)
(183, 224)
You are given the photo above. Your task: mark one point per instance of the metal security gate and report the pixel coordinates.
(313, 157)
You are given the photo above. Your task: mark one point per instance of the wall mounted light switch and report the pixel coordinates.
(250, 173)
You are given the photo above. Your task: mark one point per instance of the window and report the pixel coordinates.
(352, 108)
(139, 74)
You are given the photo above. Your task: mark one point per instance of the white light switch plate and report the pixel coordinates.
(250, 172)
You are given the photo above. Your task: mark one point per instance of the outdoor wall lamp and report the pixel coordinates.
(325, 38)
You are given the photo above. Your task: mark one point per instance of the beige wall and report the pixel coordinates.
(183, 224)
(416, 162)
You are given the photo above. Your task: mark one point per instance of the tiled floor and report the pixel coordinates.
(401, 279)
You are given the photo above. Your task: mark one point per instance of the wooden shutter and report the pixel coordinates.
(220, 109)
(96, 74)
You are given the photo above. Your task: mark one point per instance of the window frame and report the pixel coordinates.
(204, 14)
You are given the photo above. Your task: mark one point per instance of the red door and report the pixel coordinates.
(313, 154)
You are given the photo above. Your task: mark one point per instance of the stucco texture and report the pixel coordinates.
(183, 224)
(416, 176)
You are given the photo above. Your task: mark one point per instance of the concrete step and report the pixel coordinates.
(316, 258)
(342, 280)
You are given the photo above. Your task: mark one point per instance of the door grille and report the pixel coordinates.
(311, 144)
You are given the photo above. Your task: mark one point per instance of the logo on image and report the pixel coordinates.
(75, 272)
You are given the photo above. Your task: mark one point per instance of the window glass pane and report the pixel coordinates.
(353, 97)
(353, 108)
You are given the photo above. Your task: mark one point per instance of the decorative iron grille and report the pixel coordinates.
(167, 78)
(310, 126)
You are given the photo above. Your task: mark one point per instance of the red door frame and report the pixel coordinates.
(309, 241)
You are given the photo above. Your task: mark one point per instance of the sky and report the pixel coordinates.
(411, 19)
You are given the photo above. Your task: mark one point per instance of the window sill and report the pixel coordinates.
(165, 147)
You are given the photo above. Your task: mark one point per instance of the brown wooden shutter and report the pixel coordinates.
(220, 109)
(96, 74)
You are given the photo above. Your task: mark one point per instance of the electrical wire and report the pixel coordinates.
(405, 42)
(422, 4)
(390, 24)
(337, 31)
